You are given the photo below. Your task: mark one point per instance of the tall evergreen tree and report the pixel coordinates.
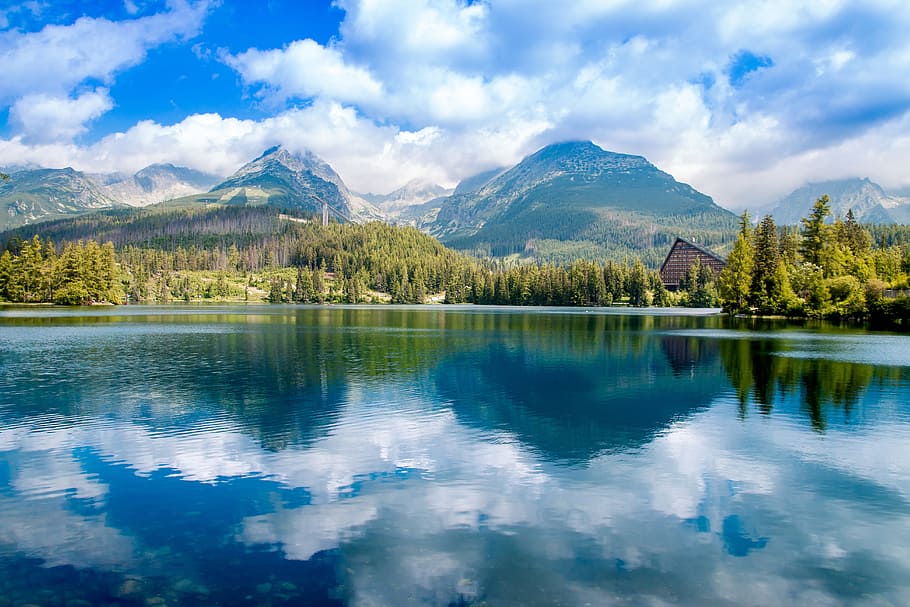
(815, 231)
(6, 270)
(638, 285)
(770, 291)
(855, 237)
(735, 281)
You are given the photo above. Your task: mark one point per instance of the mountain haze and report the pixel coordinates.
(869, 201)
(157, 183)
(35, 195)
(413, 193)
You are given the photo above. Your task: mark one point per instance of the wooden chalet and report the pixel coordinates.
(681, 257)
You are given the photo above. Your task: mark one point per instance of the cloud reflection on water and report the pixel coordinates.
(481, 485)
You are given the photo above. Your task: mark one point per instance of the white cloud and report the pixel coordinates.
(492, 81)
(368, 156)
(41, 117)
(59, 57)
(306, 69)
(397, 35)
(42, 70)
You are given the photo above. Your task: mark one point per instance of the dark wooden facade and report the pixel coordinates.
(681, 257)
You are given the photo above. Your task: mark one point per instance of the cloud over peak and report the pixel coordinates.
(739, 100)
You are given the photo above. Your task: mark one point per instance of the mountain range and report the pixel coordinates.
(575, 199)
(566, 201)
(282, 179)
(416, 192)
(155, 183)
(868, 200)
(33, 195)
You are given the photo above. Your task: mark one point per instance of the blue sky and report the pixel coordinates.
(744, 100)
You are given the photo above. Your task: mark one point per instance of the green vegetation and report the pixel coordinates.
(575, 200)
(252, 254)
(821, 271)
(560, 236)
(255, 254)
(81, 273)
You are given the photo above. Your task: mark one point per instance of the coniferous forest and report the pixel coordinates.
(819, 270)
(254, 254)
(822, 269)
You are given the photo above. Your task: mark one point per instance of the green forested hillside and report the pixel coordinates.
(251, 253)
(575, 199)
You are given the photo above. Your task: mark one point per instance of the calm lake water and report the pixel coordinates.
(449, 456)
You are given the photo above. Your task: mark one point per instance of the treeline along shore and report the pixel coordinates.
(818, 270)
(252, 254)
(841, 270)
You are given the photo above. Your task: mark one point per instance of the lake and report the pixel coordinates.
(437, 455)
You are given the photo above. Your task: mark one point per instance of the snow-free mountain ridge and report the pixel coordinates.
(576, 192)
(415, 192)
(868, 200)
(159, 182)
(35, 195)
(287, 180)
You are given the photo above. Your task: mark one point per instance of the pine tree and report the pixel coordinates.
(770, 291)
(25, 282)
(319, 283)
(6, 270)
(735, 280)
(276, 290)
(299, 294)
(659, 294)
(638, 285)
(815, 231)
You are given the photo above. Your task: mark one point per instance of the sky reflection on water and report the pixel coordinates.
(510, 459)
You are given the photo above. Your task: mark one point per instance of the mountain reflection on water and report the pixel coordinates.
(448, 456)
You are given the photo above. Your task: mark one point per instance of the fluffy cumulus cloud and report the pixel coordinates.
(306, 69)
(52, 76)
(744, 100)
(46, 117)
(723, 96)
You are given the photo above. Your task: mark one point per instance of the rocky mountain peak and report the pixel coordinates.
(867, 199)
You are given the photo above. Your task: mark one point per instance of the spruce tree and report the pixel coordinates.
(638, 285)
(770, 291)
(815, 231)
(6, 270)
(735, 280)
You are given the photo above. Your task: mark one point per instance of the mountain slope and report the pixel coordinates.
(36, 195)
(870, 203)
(425, 213)
(413, 193)
(575, 199)
(157, 183)
(279, 178)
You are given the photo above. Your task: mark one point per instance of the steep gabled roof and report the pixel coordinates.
(702, 249)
